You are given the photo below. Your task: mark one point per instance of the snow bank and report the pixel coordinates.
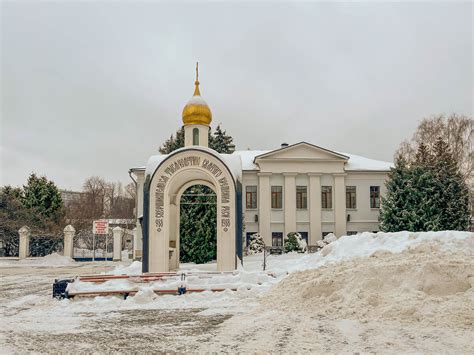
(51, 260)
(366, 244)
(427, 279)
(251, 280)
(134, 268)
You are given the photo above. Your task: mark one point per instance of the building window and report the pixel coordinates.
(350, 197)
(304, 236)
(248, 236)
(277, 239)
(351, 232)
(195, 136)
(326, 196)
(250, 197)
(301, 197)
(277, 196)
(326, 233)
(375, 197)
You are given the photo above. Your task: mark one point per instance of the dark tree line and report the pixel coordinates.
(39, 205)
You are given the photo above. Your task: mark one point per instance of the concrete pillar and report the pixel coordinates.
(118, 233)
(135, 242)
(290, 202)
(315, 227)
(69, 232)
(340, 205)
(24, 248)
(264, 207)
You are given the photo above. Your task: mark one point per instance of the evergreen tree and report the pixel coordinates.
(198, 216)
(452, 189)
(428, 195)
(394, 211)
(43, 197)
(220, 141)
(37, 205)
(173, 143)
(198, 242)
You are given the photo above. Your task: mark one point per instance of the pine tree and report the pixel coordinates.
(173, 143)
(198, 242)
(42, 196)
(453, 204)
(427, 195)
(220, 142)
(394, 212)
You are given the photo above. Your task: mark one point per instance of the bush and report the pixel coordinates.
(256, 244)
(294, 242)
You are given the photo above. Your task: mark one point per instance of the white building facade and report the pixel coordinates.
(295, 188)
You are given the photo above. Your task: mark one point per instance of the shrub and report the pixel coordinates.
(294, 242)
(256, 244)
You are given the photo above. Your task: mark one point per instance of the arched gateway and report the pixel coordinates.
(167, 177)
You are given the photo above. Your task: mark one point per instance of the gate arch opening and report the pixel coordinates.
(197, 233)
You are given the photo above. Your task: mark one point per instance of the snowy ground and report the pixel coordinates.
(370, 293)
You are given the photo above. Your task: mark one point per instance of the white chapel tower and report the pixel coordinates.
(197, 117)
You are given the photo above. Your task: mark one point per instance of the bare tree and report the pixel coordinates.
(456, 130)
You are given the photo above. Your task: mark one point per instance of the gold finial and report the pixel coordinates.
(196, 83)
(196, 110)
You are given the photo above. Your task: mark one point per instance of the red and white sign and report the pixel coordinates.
(101, 226)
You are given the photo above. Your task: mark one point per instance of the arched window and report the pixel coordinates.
(195, 136)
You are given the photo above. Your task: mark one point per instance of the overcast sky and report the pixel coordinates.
(94, 88)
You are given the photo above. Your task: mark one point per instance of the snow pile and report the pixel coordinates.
(426, 282)
(51, 260)
(414, 297)
(350, 269)
(366, 244)
(134, 268)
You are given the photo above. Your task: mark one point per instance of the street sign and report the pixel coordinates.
(101, 226)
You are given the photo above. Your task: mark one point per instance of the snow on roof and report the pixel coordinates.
(248, 156)
(244, 160)
(358, 163)
(355, 162)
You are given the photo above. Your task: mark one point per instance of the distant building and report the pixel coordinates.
(70, 197)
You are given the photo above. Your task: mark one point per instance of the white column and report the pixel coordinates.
(138, 235)
(264, 207)
(315, 228)
(290, 202)
(340, 205)
(24, 248)
(69, 232)
(118, 233)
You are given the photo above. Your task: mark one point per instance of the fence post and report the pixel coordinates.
(118, 232)
(69, 232)
(134, 243)
(24, 249)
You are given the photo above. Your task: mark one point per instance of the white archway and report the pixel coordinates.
(187, 167)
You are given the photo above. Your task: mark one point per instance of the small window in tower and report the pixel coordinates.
(195, 136)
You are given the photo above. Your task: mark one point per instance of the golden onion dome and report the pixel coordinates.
(196, 110)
